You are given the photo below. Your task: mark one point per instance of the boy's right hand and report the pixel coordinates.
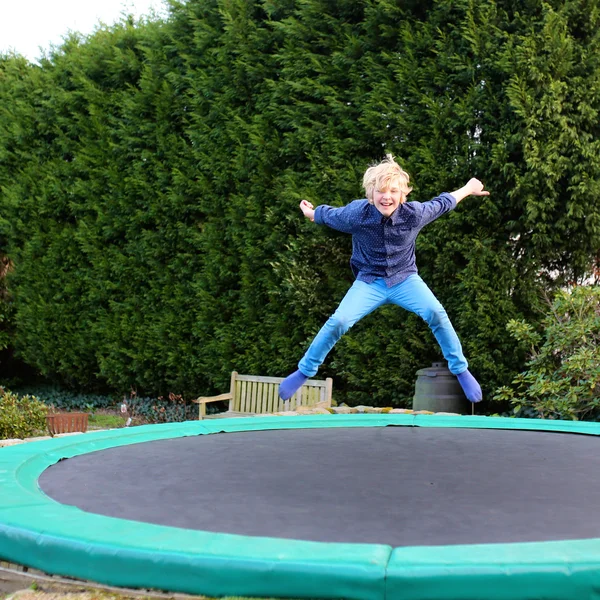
(308, 209)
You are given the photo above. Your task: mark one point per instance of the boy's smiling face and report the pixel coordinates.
(387, 200)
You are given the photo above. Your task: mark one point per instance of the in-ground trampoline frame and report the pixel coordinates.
(40, 533)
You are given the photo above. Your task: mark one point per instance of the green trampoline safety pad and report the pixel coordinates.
(59, 539)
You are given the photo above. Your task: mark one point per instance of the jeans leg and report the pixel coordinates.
(414, 295)
(361, 299)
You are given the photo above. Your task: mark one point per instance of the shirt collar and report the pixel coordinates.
(397, 216)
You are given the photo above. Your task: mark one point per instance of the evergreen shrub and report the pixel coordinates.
(150, 176)
(21, 416)
(5, 310)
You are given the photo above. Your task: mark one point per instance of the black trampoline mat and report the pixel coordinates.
(402, 486)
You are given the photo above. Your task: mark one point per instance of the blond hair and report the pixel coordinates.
(381, 176)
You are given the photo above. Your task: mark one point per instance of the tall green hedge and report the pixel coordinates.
(150, 177)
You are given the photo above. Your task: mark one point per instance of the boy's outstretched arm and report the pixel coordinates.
(474, 187)
(342, 219)
(308, 209)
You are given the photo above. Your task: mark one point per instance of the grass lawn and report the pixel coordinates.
(106, 420)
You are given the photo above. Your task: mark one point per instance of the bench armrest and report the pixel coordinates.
(206, 399)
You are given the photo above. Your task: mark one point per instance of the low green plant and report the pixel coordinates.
(562, 380)
(21, 416)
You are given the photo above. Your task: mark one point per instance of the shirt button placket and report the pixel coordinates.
(386, 242)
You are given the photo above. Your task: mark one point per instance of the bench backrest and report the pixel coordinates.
(258, 394)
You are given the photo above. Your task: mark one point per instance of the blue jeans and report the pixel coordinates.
(363, 298)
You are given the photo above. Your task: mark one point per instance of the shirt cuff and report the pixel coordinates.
(318, 217)
(452, 198)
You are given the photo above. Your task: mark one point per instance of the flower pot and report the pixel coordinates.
(67, 422)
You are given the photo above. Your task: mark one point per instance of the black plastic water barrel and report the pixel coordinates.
(438, 390)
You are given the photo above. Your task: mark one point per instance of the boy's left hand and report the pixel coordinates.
(476, 188)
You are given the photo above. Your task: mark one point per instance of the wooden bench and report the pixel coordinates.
(251, 395)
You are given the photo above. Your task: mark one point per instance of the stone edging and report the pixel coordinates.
(16, 441)
(353, 410)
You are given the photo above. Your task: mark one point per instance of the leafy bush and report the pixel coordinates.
(20, 416)
(563, 376)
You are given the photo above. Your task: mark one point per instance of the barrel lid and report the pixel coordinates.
(437, 368)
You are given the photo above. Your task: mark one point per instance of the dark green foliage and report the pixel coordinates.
(150, 178)
(63, 400)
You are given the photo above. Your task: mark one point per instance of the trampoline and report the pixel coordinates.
(327, 506)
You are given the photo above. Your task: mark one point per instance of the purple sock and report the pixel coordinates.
(470, 386)
(291, 384)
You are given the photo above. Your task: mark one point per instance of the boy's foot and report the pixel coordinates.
(470, 386)
(291, 384)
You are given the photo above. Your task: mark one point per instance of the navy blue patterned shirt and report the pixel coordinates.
(383, 246)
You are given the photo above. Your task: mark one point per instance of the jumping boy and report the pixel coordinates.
(384, 230)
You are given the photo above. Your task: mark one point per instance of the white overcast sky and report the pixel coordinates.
(27, 25)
